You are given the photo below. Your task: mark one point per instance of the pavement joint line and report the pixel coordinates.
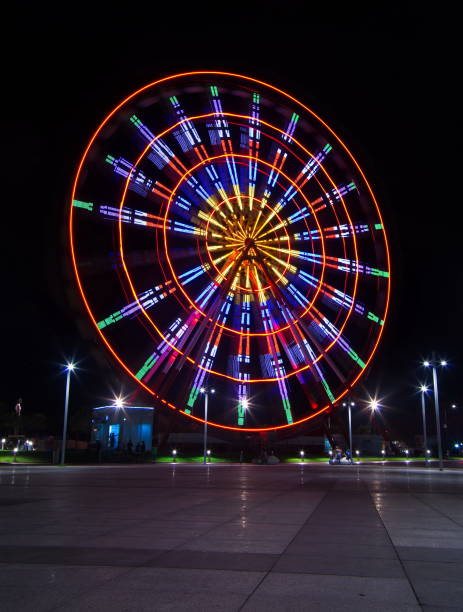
(404, 569)
(175, 549)
(216, 525)
(268, 572)
(438, 510)
(400, 488)
(104, 582)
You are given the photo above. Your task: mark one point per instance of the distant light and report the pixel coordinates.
(423, 388)
(344, 404)
(208, 452)
(174, 452)
(15, 450)
(426, 364)
(428, 452)
(301, 453)
(330, 452)
(406, 451)
(352, 403)
(244, 403)
(118, 402)
(202, 389)
(454, 405)
(374, 405)
(383, 451)
(443, 363)
(125, 407)
(457, 445)
(3, 440)
(70, 367)
(212, 390)
(357, 452)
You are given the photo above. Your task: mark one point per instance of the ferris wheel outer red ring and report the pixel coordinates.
(79, 282)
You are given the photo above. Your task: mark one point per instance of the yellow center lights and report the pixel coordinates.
(242, 247)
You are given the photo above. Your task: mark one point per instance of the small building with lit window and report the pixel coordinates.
(114, 427)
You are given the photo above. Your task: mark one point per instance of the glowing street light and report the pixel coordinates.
(174, 454)
(3, 443)
(301, 453)
(374, 405)
(374, 408)
(242, 407)
(209, 455)
(205, 391)
(70, 367)
(118, 402)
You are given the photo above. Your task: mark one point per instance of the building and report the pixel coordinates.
(115, 426)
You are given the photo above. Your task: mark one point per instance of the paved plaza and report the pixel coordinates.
(230, 537)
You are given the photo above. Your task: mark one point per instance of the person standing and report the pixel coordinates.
(18, 409)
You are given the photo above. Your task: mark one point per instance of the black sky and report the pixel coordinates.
(383, 79)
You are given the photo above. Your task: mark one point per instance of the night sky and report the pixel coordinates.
(383, 80)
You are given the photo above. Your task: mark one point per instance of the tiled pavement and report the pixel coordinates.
(221, 537)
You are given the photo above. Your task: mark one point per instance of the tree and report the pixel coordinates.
(7, 419)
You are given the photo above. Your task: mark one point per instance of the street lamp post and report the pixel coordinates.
(69, 369)
(423, 414)
(349, 412)
(446, 441)
(350, 428)
(374, 406)
(436, 406)
(206, 392)
(446, 428)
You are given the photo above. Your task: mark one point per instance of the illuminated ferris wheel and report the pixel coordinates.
(222, 234)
